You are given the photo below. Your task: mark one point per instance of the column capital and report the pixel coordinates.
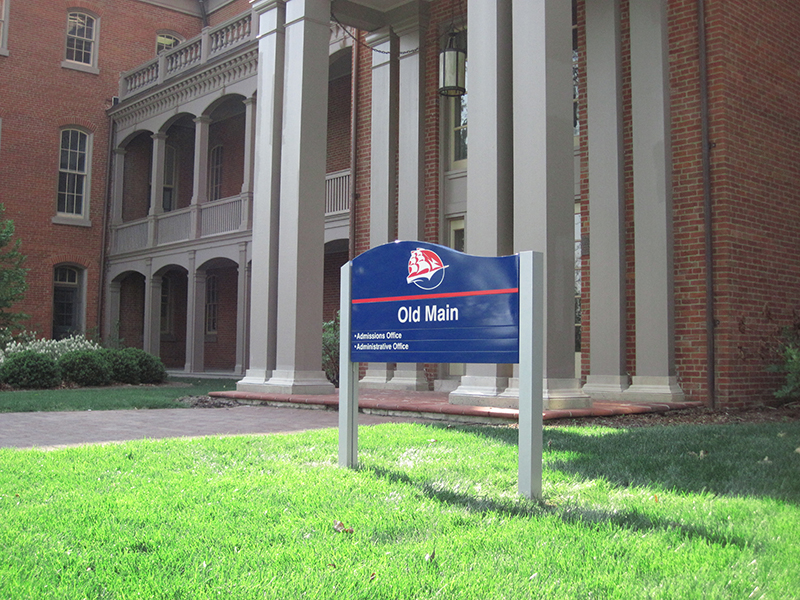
(203, 119)
(120, 151)
(159, 135)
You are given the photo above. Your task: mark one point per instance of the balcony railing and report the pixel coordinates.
(213, 42)
(337, 192)
(201, 221)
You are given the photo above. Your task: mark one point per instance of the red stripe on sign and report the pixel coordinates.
(427, 296)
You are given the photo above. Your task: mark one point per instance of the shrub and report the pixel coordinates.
(30, 369)
(55, 349)
(85, 368)
(330, 349)
(151, 369)
(124, 366)
(789, 353)
(134, 366)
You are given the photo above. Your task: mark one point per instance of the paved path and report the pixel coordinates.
(56, 429)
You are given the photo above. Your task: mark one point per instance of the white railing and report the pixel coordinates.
(337, 192)
(221, 216)
(130, 237)
(213, 42)
(174, 226)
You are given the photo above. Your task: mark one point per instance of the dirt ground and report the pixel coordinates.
(694, 416)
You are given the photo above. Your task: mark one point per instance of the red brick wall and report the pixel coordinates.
(131, 307)
(339, 124)
(39, 97)
(136, 184)
(228, 11)
(230, 134)
(755, 105)
(220, 349)
(172, 348)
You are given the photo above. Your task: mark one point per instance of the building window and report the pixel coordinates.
(576, 124)
(167, 306)
(165, 41)
(170, 196)
(212, 304)
(73, 173)
(4, 27)
(215, 174)
(82, 30)
(67, 302)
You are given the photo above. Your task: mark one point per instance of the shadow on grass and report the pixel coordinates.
(631, 520)
(757, 460)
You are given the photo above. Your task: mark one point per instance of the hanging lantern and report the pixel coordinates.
(452, 69)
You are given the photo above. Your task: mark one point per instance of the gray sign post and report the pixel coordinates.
(525, 325)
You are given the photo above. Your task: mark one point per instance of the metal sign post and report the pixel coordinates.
(414, 302)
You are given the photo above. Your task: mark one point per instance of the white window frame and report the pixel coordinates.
(66, 217)
(91, 66)
(169, 194)
(215, 160)
(212, 305)
(165, 33)
(4, 11)
(79, 285)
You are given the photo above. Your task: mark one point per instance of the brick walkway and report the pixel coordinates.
(265, 414)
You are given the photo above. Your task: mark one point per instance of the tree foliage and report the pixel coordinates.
(12, 274)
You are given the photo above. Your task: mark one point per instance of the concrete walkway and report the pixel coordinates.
(58, 429)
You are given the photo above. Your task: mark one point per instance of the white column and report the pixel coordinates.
(156, 187)
(118, 186)
(157, 173)
(266, 195)
(489, 228)
(111, 324)
(249, 143)
(411, 164)
(242, 293)
(202, 125)
(655, 377)
(151, 341)
(195, 319)
(383, 161)
(543, 178)
(608, 378)
(298, 359)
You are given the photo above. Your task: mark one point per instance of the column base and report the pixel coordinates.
(654, 389)
(377, 377)
(606, 388)
(478, 390)
(253, 377)
(556, 394)
(409, 377)
(289, 382)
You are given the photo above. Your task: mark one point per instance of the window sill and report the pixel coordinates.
(211, 338)
(66, 64)
(3, 51)
(75, 221)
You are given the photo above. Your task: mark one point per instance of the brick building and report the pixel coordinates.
(651, 155)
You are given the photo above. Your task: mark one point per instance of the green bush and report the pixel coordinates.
(124, 365)
(29, 369)
(151, 369)
(789, 353)
(85, 368)
(330, 349)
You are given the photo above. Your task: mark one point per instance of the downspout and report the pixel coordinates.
(353, 147)
(112, 127)
(707, 212)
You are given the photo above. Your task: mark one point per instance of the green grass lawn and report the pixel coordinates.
(661, 512)
(112, 398)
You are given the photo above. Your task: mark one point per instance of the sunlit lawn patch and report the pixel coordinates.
(679, 512)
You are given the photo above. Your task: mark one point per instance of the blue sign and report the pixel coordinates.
(421, 302)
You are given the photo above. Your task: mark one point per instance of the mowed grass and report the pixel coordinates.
(112, 398)
(663, 512)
